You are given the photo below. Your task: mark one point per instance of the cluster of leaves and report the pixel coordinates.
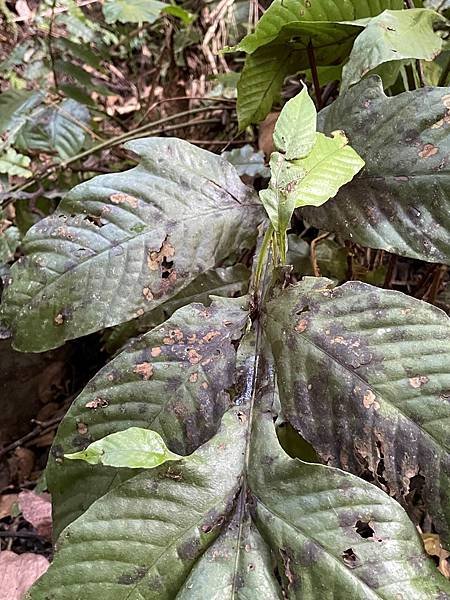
(334, 39)
(168, 474)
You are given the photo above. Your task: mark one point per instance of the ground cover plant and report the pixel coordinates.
(258, 429)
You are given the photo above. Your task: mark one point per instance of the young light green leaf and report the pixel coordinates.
(13, 163)
(393, 36)
(133, 448)
(295, 129)
(331, 164)
(404, 141)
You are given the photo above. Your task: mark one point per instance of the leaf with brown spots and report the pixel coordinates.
(150, 385)
(239, 519)
(367, 383)
(406, 181)
(121, 245)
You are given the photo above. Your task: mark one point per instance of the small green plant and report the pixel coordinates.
(167, 476)
(171, 474)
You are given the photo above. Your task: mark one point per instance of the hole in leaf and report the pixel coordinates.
(295, 445)
(364, 529)
(302, 310)
(350, 558)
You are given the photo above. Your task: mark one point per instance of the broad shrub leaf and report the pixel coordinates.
(119, 245)
(133, 448)
(60, 129)
(173, 380)
(405, 185)
(282, 13)
(16, 107)
(279, 46)
(215, 524)
(223, 281)
(364, 377)
(393, 36)
(265, 69)
(132, 11)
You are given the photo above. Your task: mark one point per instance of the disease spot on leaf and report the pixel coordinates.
(131, 578)
(418, 381)
(193, 377)
(350, 558)
(369, 400)
(147, 293)
(145, 370)
(97, 403)
(364, 529)
(428, 150)
(301, 325)
(446, 100)
(174, 336)
(156, 351)
(121, 198)
(82, 428)
(210, 336)
(194, 356)
(59, 319)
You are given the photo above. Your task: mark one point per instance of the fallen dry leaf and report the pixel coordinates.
(7, 501)
(21, 464)
(18, 572)
(37, 510)
(265, 137)
(433, 547)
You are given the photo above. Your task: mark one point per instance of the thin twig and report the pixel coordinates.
(50, 45)
(314, 263)
(123, 137)
(41, 428)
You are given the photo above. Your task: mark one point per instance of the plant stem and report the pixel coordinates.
(315, 76)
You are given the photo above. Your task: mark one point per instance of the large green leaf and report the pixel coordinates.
(399, 202)
(282, 40)
(302, 13)
(264, 71)
(364, 377)
(173, 380)
(222, 281)
(132, 11)
(122, 244)
(393, 36)
(218, 524)
(60, 129)
(15, 109)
